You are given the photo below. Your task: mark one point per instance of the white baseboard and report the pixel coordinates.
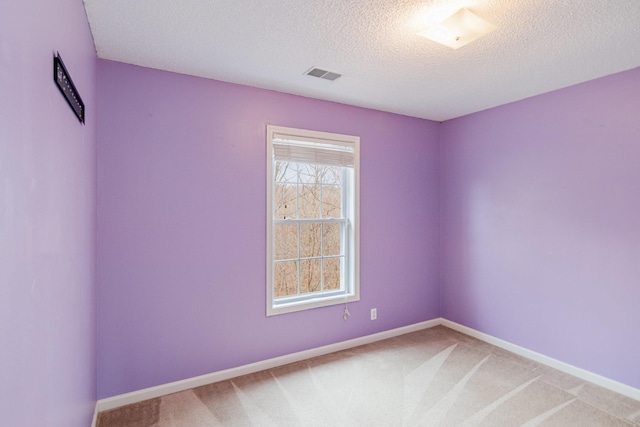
(173, 387)
(596, 379)
(94, 421)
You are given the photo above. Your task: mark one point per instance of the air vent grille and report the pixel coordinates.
(323, 74)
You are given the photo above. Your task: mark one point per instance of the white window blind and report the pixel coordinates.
(311, 150)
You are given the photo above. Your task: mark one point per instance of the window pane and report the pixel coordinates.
(285, 241)
(284, 201)
(331, 234)
(285, 279)
(310, 240)
(285, 172)
(331, 273)
(310, 173)
(310, 276)
(331, 201)
(284, 190)
(332, 175)
(309, 201)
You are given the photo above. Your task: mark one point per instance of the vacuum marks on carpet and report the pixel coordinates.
(434, 377)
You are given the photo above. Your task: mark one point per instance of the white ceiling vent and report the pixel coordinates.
(323, 74)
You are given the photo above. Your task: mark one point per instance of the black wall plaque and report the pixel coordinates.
(65, 84)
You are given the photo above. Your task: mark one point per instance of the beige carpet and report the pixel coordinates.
(434, 377)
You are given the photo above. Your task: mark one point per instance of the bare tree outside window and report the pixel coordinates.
(309, 255)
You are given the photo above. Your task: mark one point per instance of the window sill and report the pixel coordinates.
(293, 306)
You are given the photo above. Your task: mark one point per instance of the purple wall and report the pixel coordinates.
(181, 226)
(539, 202)
(540, 220)
(47, 218)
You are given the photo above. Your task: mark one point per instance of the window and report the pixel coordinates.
(312, 224)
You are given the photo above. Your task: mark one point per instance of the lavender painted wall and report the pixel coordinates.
(540, 222)
(47, 218)
(181, 226)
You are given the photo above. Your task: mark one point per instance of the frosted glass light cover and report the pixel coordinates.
(459, 29)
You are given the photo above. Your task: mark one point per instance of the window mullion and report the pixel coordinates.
(321, 257)
(309, 220)
(299, 230)
(344, 229)
(321, 238)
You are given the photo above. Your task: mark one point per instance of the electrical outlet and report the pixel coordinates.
(374, 313)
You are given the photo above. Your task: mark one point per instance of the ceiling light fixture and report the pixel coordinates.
(457, 30)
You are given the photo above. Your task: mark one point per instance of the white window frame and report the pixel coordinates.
(351, 230)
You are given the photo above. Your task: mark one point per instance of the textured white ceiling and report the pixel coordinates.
(539, 46)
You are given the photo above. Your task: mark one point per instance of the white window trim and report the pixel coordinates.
(353, 228)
